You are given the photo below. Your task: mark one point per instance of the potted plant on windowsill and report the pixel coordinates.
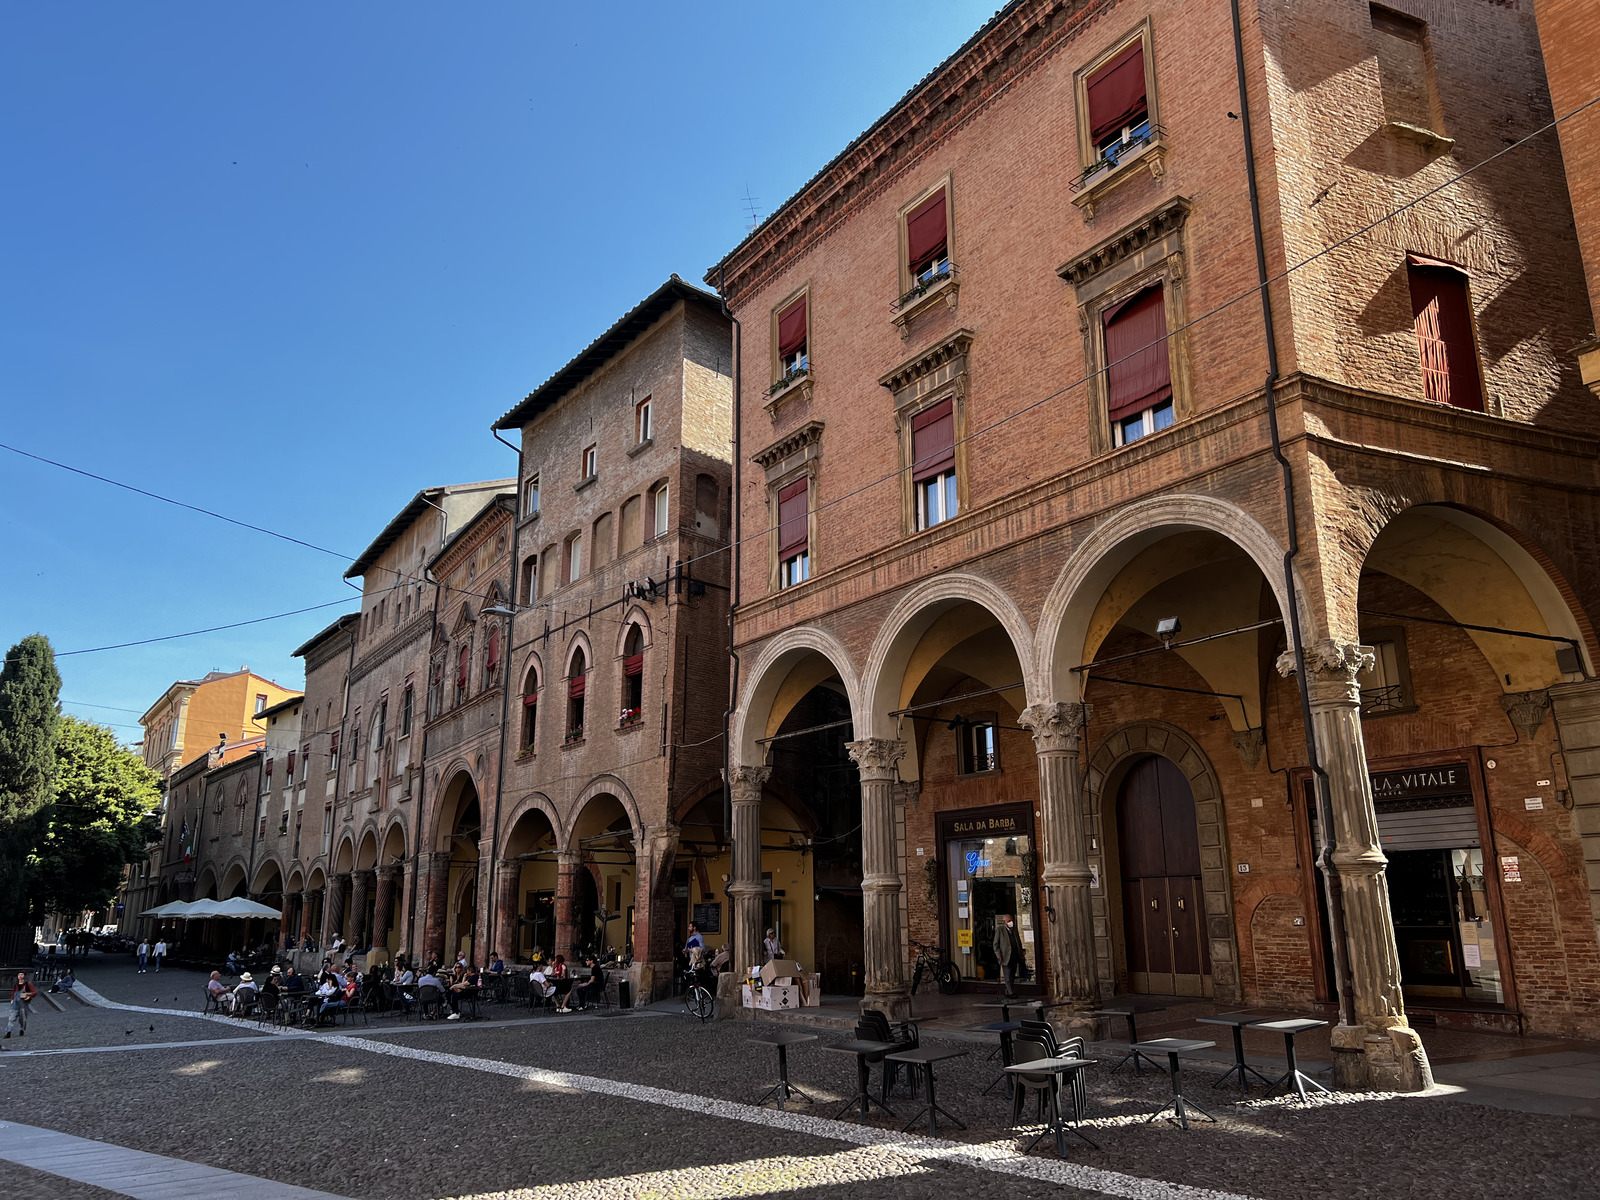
(630, 716)
(574, 735)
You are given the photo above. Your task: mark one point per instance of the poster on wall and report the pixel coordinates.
(1510, 868)
(708, 917)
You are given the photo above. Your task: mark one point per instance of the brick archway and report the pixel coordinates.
(1116, 752)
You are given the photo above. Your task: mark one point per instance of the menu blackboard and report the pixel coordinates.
(708, 918)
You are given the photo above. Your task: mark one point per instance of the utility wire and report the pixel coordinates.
(196, 632)
(1252, 292)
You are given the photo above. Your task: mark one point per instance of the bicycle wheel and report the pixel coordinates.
(949, 978)
(699, 1002)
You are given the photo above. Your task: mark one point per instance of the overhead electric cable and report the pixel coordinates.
(197, 632)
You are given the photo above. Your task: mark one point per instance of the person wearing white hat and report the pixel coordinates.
(243, 996)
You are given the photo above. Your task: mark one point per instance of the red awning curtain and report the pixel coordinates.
(494, 650)
(927, 232)
(793, 518)
(531, 699)
(1140, 375)
(1116, 93)
(291, 764)
(575, 686)
(633, 664)
(1442, 310)
(792, 328)
(933, 441)
(461, 669)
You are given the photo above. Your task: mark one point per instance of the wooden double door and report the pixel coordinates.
(1163, 907)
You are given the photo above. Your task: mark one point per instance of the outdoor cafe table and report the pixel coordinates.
(863, 1096)
(1006, 1003)
(1129, 1008)
(1005, 1029)
(925, 1057)
(1058, 1124)
(782, 1039)
(1238, 1020)
(1294, 1074)
(1172, 1047)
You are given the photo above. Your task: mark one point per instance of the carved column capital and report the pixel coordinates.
(876, 757)
(1331, 670)
(745, 783)
(1250, 744)
(1527, 710)
(389, 871)
(1056, 727)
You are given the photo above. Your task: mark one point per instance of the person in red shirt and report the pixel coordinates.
(22, 995)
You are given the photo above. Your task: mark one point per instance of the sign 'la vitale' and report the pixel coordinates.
(1448, 779)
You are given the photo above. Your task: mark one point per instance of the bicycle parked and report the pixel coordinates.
(944, 972)
(699, 993)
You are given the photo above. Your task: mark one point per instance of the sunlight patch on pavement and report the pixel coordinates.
(752, 1177)
(198, 1068)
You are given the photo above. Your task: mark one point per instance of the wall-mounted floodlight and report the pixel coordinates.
(1168, 628)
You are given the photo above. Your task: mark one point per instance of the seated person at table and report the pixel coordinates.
(496, 965)
(591, 989)
(539, 984)
(294, 983)
(273, 984)
(243, 996)
(331, 995)
(217, 988)
(405, 979)
(559, 971)
(233, 963)
(466, 983)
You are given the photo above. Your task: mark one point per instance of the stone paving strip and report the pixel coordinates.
(134, 1172)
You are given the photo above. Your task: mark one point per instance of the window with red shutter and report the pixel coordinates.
(792, 337)
(290, 775)
(794, 517)
(576, 687)
(1138, 369)
(928, 238)
(1441, 308)
(933, 464)
(1116, 93)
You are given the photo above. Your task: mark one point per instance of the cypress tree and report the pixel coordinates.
(30, 716)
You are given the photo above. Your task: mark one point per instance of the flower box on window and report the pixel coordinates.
(630, 716)
(574, 735)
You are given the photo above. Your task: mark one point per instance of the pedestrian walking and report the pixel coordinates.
(772, 946)
(22, 995)
(1008, 949)
(161, 952)
(144, 955)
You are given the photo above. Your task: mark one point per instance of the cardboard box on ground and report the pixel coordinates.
(784, 986)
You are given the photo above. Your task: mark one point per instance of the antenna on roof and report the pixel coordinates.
(750, 207)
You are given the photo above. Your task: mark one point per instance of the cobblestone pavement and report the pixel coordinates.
(478, 1110)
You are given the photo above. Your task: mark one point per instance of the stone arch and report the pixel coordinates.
(1106, 767)
(540, 803)
(367, 847)
(205, 887)
(392, 841)
(580, 641)
(458, 794)
(263, 874)
(234, 877)
(533, 664)
(1481, 571)
(765, 676)
(297, 881)
(1264, 942)
(344, 858)
(917, 609)
(1064, 621)
(317, 880)
(602, 785)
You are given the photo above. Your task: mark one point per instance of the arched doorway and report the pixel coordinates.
(604, 879)
(526, 923)
(451, 922)
(1158, 844)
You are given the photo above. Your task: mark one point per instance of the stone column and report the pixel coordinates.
(286, 921)
(1068, 913)
(360, 889)
(383, 909)
(438, 903)
(654, 905)
(1380, 1051)
(883, 939)
(744, 889)
(568, 864)
(305, 915)
(333, 910)
(1577, 712)
(507, 926)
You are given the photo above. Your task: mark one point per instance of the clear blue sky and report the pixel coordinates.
(289, 262)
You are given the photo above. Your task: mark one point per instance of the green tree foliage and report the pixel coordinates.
(30, 687)
(103, 815)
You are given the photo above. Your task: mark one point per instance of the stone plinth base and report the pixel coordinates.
(1391, 1060)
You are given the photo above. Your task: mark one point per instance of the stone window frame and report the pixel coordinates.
(968, 720)
(1432, 137)
(906, 310)
(931, 377)
(1148, 251)
(792, 457)
(1153, 156)
(801, 385)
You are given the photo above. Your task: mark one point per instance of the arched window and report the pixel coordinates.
(491, 660)
(530, 578)
(633, 677)
(463, 665)
(577, 678)
(530, 710)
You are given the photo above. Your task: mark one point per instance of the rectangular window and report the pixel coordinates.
(1386, 685)
(333, 753)
(642, 429)
(290, 774)
(463, 667)
(1138, 369)
(305, 762)
(1441, 307)
(530, 578)
(491, 659)
(1119, 108)
(980, 744)
(927, 239)
(933, 463)
(794, 533)
(658, 504)
(261, 704)
(600, 552)
(267, 770)
(591, 459)
(574, 558)
(530, 496)
(405, 711)
(382, 739)
(793, 338)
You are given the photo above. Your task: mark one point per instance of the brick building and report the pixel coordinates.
(1065, 544)
(617, 649)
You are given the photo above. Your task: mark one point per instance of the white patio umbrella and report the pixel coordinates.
(243, 908)
(172, 908)
(200, 909)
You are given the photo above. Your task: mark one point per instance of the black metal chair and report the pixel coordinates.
(430, 1002)
(268, 1010)
(212, 1004)
(904, 1035)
